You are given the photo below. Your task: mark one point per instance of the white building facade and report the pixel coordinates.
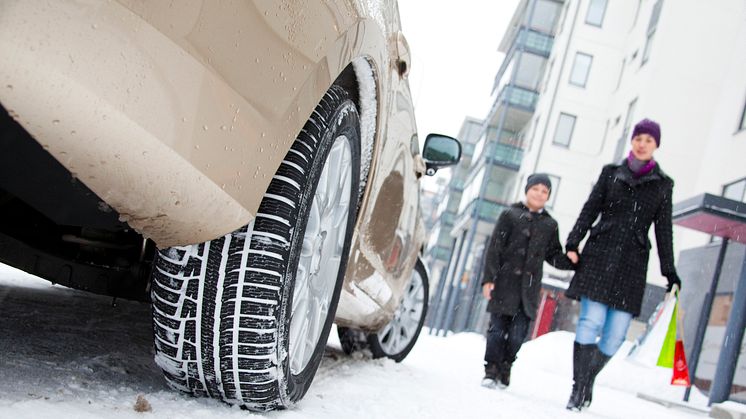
(681, 63)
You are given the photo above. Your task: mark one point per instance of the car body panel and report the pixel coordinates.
(177, 115)
(386, 247)
(201, 133)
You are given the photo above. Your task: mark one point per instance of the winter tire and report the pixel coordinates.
(399, 336)
(245, 317)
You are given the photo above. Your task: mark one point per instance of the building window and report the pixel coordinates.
(621, 74)
(742, 125)
(555, 190)
(628, 120)
(735, 190)
(530, 70)
(624, 139)
(652, 26)
(580, 69)
(479, 148)
(545, 17)
(565, 127)
(596, 12)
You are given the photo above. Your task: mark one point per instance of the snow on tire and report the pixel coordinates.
(245, 317)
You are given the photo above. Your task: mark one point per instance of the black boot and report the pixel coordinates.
(597, 362)
(503, 374)
(490, 375)
(580, 374)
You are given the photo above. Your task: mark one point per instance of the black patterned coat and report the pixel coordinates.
(514, 260)
(614, 262)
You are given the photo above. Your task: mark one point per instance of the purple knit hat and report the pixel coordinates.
(647, 126)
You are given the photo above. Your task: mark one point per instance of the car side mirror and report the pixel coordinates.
(440, 151)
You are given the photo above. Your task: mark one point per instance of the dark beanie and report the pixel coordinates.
(538, 178)
(647, 126)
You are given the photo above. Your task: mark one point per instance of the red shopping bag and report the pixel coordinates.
(680, 368)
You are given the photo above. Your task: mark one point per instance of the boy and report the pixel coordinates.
(525, 236)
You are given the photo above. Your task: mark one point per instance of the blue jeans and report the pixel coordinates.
(598, 319)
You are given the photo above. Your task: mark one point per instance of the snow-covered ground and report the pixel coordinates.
(69, 354)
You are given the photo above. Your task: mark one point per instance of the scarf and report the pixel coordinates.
(639, 168)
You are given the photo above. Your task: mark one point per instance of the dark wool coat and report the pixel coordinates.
(514, 260)
(613, 266)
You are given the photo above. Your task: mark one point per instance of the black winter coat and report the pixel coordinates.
(613, 266)
(514, 261)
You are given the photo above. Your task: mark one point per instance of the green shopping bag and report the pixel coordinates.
(668, 351)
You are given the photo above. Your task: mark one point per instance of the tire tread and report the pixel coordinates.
(240, 279)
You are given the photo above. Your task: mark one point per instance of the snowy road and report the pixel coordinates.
(68, 354)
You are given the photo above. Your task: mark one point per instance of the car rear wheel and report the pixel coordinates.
(398, 337)
(245, 317)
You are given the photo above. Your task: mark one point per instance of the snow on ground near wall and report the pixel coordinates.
(69, 354)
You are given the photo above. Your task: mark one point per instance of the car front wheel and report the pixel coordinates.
(245, 317)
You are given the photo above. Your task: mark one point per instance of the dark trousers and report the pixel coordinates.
(505, 336)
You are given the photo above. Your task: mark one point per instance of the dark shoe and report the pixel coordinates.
(598, 361)
(490, 376)
(503, 374)
(580, 373)
(490, 371)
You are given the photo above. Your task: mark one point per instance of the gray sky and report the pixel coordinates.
(454, 58)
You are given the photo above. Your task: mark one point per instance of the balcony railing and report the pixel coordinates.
(490, 210)
(441, 253)
(506, 155)
(536, 42)
(518, 96)
(487, 210)
(457, 184)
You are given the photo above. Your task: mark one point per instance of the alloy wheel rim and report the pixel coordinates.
(400, 332)
(321, 255)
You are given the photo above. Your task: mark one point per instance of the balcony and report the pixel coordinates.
(446, 218)
(441, 253)
(535, 42)
(488, 211)
(517, 103)
(519, 97)
(506, 155)
(457, 184)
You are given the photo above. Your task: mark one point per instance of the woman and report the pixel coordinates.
(612, 269)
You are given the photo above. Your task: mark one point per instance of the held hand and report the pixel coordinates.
(674, 283)
(674, 290)
(487, 290)
(573, 256)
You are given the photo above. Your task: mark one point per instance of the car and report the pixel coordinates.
(251, 168)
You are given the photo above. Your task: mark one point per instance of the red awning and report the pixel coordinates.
(713, 215)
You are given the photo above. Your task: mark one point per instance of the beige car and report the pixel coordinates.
(250, 166)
